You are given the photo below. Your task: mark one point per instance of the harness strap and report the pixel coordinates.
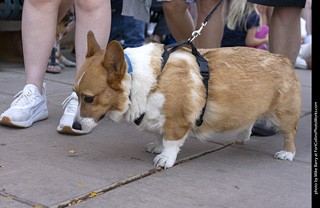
(202, 62)
(204, 71)
(138, 121)
(166, 53)
(203, 65)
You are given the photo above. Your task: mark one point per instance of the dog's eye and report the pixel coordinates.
(88, 99)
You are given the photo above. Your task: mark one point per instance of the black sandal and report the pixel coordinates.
(53, 66)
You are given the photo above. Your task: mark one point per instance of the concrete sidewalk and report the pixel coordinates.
(109, 168)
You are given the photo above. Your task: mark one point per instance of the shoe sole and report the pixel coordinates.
(71, 131)
(7, 122)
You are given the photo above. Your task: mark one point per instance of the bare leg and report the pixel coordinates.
(39, 21)
(178, 19)
(285, 35)
(181, 24)
(307, 15)
(211, 35)
(54, 65)
(64, 8)
(92, 15)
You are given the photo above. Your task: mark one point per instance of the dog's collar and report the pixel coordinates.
(129, 70)
(129, 64)
(138, 120)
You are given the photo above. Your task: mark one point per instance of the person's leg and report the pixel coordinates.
(307, 15)
(92, 15)
(211, 35)
(178, 19)
(64, 8)
(285, 35)
(39, 21)
(54, 65)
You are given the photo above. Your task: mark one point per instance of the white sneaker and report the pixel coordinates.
(66, 125)
(28, 107)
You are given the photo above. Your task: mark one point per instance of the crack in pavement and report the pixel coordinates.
(134, 178)
(21, 200)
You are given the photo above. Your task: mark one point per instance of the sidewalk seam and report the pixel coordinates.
(133, 179)
(21, 200)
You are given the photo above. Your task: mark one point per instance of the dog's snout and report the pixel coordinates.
(77, 125)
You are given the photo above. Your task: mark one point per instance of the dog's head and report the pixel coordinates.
(100, 82)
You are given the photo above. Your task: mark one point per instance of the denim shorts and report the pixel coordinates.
(280, 3)
(188, 1)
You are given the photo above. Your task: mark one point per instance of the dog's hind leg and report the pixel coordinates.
(289, 149)
(244, 135)
(287, 112)
(288, 126)
(155, 147)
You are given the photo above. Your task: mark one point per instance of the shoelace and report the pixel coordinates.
(23, 98)
(70, 106)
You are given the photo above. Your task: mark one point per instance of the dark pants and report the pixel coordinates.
(131, 30)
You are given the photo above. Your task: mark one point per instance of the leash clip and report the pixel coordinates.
(196, 33)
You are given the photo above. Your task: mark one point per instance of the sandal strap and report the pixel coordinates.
(53, 57)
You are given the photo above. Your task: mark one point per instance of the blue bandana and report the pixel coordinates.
(129, 64)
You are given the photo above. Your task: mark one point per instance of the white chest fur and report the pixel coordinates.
(144, 79)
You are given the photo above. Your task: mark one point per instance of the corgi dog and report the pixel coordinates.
(245, 85)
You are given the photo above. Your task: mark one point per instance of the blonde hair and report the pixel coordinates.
(239, 14)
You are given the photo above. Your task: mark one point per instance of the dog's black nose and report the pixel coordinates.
(77, 125)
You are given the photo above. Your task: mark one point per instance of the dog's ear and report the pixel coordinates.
(93, 46)
(114, 62)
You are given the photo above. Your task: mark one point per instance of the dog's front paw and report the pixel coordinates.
(284, 155)
(164, 160)
(154, 148)
(169, 154)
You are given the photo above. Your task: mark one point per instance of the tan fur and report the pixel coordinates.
(109, 94)
(181, 109)
(245, 84)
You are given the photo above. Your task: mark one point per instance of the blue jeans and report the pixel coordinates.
(132, 30)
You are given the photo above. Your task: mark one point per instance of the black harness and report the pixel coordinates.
(202, 62)
(204, 71)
